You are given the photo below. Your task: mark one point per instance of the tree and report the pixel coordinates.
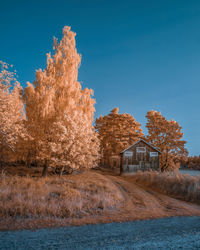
(11, 112)
(192, 162)
(73, 142)
(116, 132)
(167, 136)
(58, 110)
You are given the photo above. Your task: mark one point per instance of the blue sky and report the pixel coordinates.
(136, 55)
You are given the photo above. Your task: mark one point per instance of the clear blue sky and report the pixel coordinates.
(136, 55)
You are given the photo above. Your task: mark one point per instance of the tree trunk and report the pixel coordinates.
(1, 159)
(28, 162)
(61, 172)
(1, 164)
(45, 169)
(121, 164)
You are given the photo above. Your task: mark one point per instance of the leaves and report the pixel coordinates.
(11, 111)
(116, 132)
(167, 136)
(59, 112)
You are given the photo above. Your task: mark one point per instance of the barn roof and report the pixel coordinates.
(139, 141)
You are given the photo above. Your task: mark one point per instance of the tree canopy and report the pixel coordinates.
(167, 136)
(116, 132)
(11, 111)
(59, 112)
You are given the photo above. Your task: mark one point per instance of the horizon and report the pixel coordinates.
(135, 56)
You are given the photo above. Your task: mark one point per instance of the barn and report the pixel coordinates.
(139, 156)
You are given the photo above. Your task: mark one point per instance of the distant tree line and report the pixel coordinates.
(191, 162)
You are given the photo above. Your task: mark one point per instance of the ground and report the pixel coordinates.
(136, 202)
(167, 233)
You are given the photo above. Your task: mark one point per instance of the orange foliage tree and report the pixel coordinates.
(60, 113)
(167, 136)
(191, 162)
(11, 113)
(116, 132)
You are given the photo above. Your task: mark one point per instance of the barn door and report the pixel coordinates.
(142, 165)
(126, 164)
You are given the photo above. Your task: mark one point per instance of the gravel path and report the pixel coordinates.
(167, 233)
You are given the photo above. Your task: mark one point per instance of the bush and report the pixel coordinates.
(180, 186)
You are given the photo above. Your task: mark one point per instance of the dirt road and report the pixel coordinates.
(142, 203)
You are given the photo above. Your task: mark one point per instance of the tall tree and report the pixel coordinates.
(116, 132)
(11, 111)
(58, 110)
(167, 136)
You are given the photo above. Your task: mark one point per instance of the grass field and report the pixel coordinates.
(30, 202)
(181, 186)
(71, 196)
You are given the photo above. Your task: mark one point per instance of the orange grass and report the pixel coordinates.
(71, 196)
(181, 186)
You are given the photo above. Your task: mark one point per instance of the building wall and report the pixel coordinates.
(132, 160)
(114, 161)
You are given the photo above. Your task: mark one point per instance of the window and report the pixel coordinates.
(141, 150)
(153, 154)
(128, 153)
(128, 157)
(128, 160)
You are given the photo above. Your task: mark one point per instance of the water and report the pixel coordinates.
(190, 172)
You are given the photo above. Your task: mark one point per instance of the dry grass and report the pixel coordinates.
(87, 198)
(181, 186)
(71, 196)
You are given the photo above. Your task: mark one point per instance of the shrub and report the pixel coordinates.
(180, 186)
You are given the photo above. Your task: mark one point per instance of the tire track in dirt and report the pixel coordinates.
(142, 203)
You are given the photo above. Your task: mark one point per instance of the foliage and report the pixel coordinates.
(167, 136)
(11, 112)
(73, 142)
(59, 112)
(181, 186)
(116, 132)
(192, 162)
